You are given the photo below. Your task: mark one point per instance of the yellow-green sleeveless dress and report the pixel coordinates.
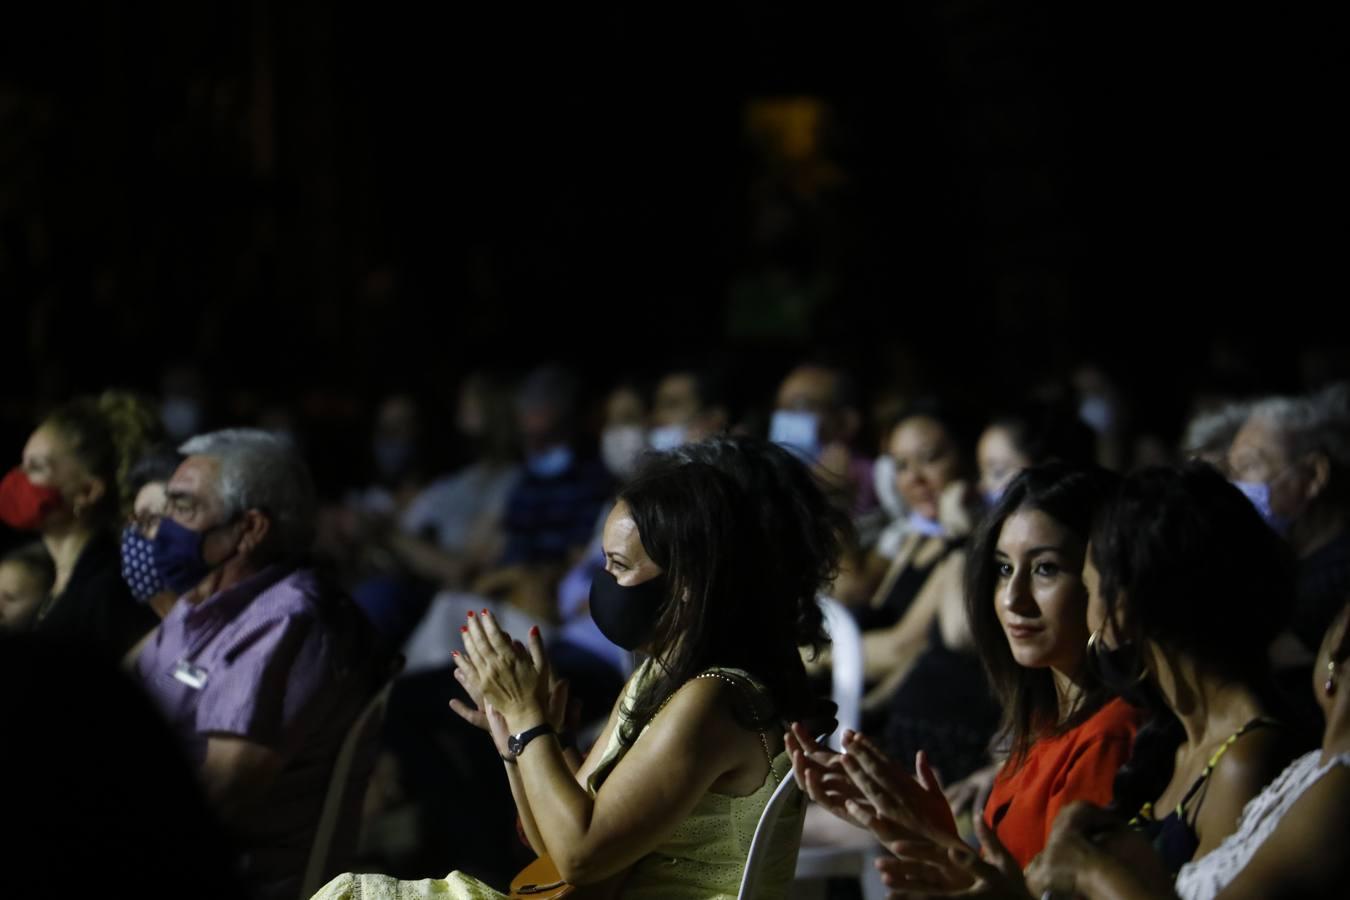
(703, 858)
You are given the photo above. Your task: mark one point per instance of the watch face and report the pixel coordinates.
(516, 742)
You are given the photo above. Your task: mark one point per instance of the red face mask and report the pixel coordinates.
(23, 505)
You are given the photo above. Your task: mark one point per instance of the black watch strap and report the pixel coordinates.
(516, 743)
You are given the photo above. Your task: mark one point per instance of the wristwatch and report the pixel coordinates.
(516, 742)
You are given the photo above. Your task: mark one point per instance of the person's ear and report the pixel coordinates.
(257, 525)
(87, 495)
(1320, 475)
(1117, 622)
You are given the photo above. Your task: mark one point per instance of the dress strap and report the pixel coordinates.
(1258, 722)
(751, 689)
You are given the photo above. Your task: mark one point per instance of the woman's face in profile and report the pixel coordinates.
(48, 462)
(625, 557)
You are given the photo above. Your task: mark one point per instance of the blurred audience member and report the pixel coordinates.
(689, 405)
(1102, 408)
(148, 481)
(26, 576)
(817, 415)
(1031, 434)
(452, 530)
(129, 816)
(1209, 434)
(1292, 460)
(72, 489)
(623, 436)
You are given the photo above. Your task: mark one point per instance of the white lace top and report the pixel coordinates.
(1205, 877)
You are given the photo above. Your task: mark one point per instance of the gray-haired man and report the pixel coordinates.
(260, 667)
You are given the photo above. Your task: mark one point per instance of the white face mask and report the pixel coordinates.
(620, 448)
(1097, 413)
(883, 479)
(926, 526)
(668, 437)
(797, 431)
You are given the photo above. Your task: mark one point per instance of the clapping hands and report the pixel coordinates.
(504, 680)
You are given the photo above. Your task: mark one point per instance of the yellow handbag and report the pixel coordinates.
(539, 881)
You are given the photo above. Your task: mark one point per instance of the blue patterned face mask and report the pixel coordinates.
(138, 565)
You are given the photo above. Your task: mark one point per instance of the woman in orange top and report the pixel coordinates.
(1065, 739)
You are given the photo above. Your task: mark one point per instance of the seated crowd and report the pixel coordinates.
(599, 643)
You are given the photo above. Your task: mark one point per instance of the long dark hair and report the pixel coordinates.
(1186, 562)
(1071, 495)
(747, 539)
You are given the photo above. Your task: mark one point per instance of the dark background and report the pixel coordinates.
(316, 203)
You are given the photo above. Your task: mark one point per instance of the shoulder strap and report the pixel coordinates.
(754, 693)
(1258, 722)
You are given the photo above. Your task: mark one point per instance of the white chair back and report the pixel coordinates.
(780, 801)
(846, 667)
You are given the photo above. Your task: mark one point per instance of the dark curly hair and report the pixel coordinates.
(1071, 495)
(747, 539)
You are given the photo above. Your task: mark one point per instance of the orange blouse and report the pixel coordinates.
(1079, 764)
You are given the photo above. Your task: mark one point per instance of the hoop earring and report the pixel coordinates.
(1093, 640)
(1330, 686)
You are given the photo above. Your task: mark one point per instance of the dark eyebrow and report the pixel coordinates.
(1047, 548)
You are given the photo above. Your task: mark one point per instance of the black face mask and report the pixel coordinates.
(1119, 669)
(626, 615)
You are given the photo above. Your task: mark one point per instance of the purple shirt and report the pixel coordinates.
(259, 661)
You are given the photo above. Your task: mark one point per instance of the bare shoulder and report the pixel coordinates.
(1252, 761)
(720, 713)
(710, 699)
(1246, 767)
(1305, 855)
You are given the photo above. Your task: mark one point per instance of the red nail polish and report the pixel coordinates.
(464, 629)
(534, 630)
(485, 612)
(470, 614)
(454, 653)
